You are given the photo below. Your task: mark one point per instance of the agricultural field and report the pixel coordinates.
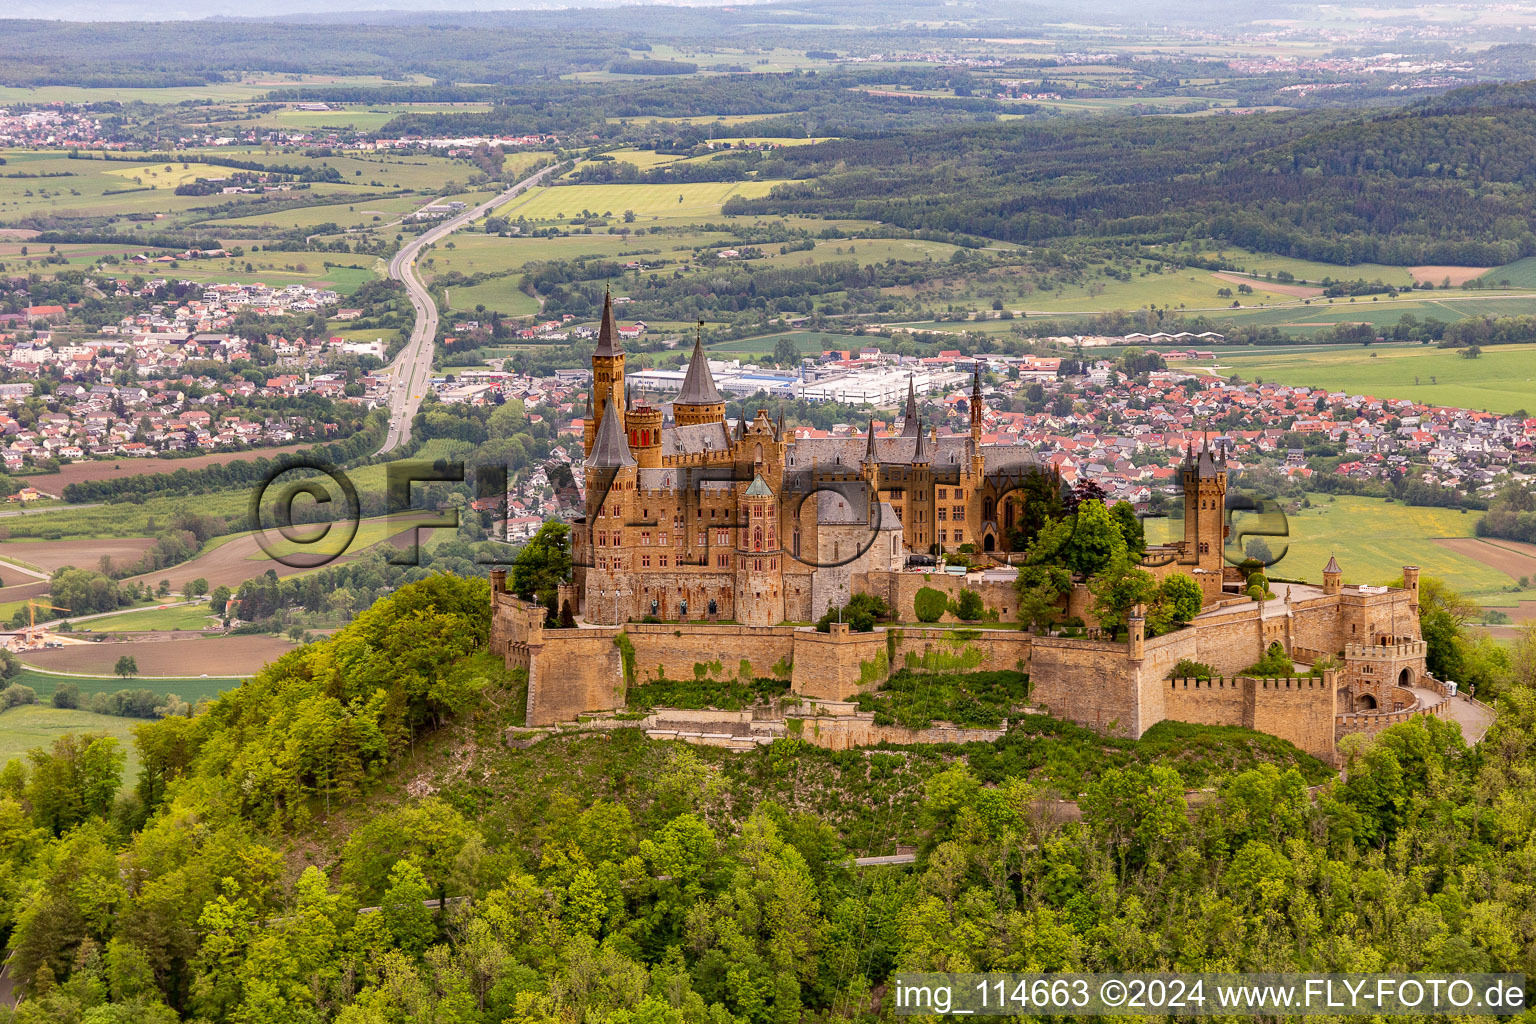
(189, 688)
(1502, 379)
(1519, 274)
(649, 202)
(32, 726)
(248, 88)
(1373, 539)
(164, 618)
(180, 657)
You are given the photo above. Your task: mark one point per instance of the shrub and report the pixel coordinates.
(969, 607)
(1275, 664)
(929, 604)
(16, 695)
(66, 696)
(860, 613)
(1190, 669)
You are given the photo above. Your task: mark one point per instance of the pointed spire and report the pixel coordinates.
(628, 402)
(610, 450)
(698, 384)
(869, 450)
(589, 403)
(607, 333)
(1333, 565)
(778, 434)
(921, 454)
(909, 423)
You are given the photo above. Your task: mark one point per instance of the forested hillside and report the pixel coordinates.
(271, 862)
(1444, 182)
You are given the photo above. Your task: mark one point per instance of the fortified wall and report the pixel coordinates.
(1120, 688)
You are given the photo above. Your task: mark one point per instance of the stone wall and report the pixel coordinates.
(1299, 710)
(844, 732)
(899, 589)
(840, 663)
(959, 649)
(701, 650)
(1089, 682)
(574, 671)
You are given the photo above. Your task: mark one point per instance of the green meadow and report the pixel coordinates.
(30, 727)
(1502, 379)
(1373, 539)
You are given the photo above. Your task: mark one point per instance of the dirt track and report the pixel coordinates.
(167, 654)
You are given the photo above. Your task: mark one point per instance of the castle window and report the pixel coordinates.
(661, 561)
(757, 539)
(702, 535)
(943, 536)
(645, 537)
(943, 492)
(722, 537)
(959, 536)
(959, 516)
(645, 561)
(943, 514)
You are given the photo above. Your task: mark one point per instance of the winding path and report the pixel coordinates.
(413, 365)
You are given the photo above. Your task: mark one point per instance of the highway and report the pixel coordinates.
(412, 367)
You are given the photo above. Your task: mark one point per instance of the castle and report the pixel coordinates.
(704, 551)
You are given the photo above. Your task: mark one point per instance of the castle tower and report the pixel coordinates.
(642, 424)
(759, 596)
(588, 426)
(1205, 501)
(1136, 629)
(909, 421)
(977, 410)
(1333, 577)
(607, 368)
(1411, 584)
(870, 464)
(611, 478)
(699, 401)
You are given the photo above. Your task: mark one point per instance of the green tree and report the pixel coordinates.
(969, 606)
(1096, 542)
(929, 604)
(405, 911)
(543, 564)
(126, 666)
(785, 352)
(74, 779)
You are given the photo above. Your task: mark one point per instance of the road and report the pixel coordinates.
(413, 365)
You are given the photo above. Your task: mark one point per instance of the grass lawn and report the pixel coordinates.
(1373, 539)
(1502, 379)
(30, 726)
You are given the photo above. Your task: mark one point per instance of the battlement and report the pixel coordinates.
(1254, 682)
(1400, 649)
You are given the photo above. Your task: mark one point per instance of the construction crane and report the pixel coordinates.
(33, 638)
